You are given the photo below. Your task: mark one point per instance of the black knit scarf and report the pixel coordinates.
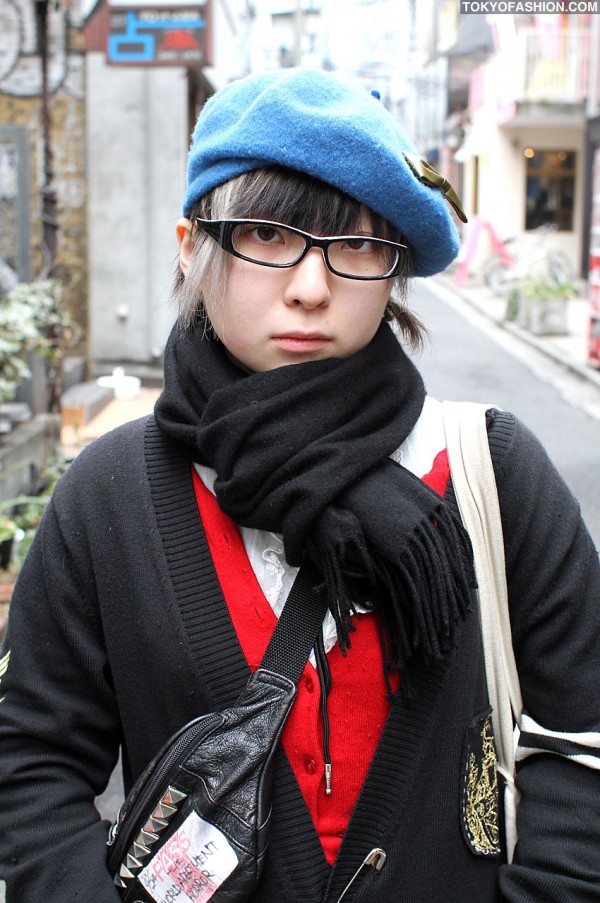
(303, 450)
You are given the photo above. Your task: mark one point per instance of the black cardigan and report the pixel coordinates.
(119, 633)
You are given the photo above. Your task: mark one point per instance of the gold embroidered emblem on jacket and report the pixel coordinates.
(481, 796)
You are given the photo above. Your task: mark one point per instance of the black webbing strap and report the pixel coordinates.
(298, 626)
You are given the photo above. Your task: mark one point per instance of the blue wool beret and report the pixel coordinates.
(309, 120)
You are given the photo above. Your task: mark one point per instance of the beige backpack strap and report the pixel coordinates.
(474, 485)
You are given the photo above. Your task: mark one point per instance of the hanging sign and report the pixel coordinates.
(157, 34)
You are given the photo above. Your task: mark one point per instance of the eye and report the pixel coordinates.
(360, 245)
(265, 234)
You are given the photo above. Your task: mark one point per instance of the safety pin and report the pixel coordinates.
(376, 859)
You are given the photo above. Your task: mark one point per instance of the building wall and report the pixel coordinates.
(230, 41)
(495, 166)
(21, 109)
(137, 131)
(500, 176)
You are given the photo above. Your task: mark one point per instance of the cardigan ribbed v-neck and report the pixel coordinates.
(221, 661)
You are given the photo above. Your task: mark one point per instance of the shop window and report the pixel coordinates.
(550, 188)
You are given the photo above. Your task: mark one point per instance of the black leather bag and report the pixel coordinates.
(196, 824)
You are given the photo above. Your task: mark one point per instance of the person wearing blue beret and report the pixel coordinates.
(294, 435)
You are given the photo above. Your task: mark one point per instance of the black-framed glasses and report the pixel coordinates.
(276, 245)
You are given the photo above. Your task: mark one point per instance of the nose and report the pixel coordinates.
(309, 281)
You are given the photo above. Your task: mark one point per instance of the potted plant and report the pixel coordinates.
(33, 319)
(18, 334)
(542, 305)
(19, 519)
(20, 516)
(9, 529)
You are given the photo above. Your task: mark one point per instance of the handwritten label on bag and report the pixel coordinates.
(191, 866)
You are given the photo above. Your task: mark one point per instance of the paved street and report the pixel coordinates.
(469, 357)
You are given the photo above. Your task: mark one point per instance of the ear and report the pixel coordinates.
(185, 237)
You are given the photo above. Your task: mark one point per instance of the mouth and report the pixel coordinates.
(302, 342)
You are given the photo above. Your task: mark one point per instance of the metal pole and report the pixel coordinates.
(49, 220)
(298, 34)
(593, 88)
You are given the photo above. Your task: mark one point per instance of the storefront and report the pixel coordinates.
(593, 231)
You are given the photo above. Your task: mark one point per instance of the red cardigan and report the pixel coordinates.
(357, 705)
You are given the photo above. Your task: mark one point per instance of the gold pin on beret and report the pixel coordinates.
(429, 175)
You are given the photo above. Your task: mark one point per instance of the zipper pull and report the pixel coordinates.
(327, 778)
(376, 859)
(114, 829)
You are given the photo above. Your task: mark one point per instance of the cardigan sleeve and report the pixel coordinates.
(59, 734)
(553, 577)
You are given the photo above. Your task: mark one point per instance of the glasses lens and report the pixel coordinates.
(357, 256)
(267, 243)
(363, 257)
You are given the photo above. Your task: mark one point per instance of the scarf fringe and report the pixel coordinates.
(420, 599)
